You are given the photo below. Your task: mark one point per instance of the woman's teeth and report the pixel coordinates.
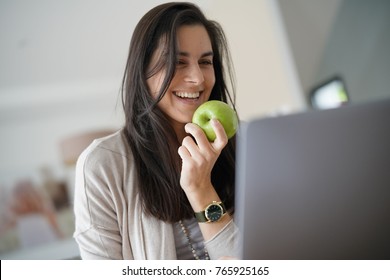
(187, 94)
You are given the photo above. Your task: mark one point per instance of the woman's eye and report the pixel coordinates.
(180, 62)
(206, 62)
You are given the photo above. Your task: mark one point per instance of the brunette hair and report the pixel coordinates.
(152, 139)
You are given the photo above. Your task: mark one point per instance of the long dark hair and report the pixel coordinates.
(149, 133)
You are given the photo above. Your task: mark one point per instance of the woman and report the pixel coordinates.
(137, 190)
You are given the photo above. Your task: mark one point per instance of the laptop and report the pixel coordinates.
(315, 185)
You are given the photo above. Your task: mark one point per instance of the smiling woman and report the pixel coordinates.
(193, 81)
(139, 190)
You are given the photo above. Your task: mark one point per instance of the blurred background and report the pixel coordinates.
(60, 74)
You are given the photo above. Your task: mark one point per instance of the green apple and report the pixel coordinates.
(219, 110)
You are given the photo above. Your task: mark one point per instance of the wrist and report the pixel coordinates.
(200, 198)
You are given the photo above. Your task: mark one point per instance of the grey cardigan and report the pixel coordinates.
(110, 223)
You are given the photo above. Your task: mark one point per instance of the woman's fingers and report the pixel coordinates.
(221, 138)
(201, 139)
(198, 134)
(184, 153)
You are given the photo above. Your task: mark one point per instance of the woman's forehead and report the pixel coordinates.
(190, 39)
(193, 37)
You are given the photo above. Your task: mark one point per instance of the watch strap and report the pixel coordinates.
(201, 217)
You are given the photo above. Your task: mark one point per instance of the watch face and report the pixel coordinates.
(214, 212)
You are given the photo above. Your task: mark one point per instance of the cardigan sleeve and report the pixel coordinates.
(224, 243)
(96, 230)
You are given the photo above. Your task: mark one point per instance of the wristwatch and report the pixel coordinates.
(213, 213)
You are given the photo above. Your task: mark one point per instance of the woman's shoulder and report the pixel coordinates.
(107, 150)
(115, 143)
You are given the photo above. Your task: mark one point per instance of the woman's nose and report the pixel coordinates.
(194, 74)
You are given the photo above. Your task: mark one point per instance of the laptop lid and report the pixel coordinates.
(316, 185)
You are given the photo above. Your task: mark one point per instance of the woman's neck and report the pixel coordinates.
(178, 127)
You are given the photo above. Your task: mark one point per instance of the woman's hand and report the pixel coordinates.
(199, 156)
(198, 159)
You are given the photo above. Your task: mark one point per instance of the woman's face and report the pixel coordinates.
(194, 78)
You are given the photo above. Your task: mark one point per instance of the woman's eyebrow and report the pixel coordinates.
(186, 54)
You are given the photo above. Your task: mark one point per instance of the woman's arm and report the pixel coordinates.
(198, 159)
(97, 232)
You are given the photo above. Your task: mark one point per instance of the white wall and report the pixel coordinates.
(266, 74)
(62, 63)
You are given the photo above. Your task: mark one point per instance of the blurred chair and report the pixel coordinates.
(35, 215)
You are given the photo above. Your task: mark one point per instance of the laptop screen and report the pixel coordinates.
(316, 185)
